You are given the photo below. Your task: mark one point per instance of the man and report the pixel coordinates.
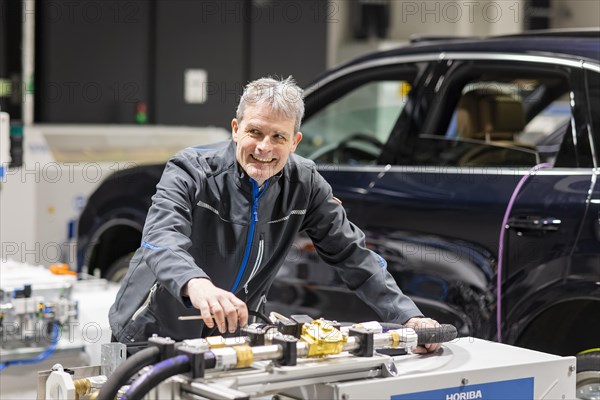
(223, 220)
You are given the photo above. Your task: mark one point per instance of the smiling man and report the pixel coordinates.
(265, 140)
(223, 220)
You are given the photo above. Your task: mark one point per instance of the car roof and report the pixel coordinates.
(573, 44)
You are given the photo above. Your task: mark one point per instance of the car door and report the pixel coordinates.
(496, 182)
(559, 292)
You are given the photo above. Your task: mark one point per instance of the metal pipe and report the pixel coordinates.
(227, 356)
(269, 352)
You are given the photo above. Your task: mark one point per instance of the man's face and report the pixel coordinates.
(264, 141)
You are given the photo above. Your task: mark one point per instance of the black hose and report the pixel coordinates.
(122, 374)
(260, 315)
(161, 371)
(440, 334)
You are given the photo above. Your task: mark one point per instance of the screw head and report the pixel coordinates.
(464, 381)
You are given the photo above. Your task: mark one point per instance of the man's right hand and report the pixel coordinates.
(216, 305)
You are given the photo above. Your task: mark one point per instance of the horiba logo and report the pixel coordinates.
(471, 395)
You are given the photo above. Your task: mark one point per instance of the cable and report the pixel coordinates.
(440, 334)
(129, 367)
(260, 315)
(161, 371)
(503, 228)
(40, 357)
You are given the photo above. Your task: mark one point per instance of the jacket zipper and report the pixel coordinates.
(253, 220)
(259, 256)
(146, 302)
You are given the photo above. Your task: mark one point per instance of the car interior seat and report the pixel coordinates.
(494, 118)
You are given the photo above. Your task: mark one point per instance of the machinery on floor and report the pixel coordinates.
(302, 358)
(36, 309)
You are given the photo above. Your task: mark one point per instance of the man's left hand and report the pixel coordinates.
(423, 323)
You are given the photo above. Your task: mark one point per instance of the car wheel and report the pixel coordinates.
(116, 272)
(588, 375)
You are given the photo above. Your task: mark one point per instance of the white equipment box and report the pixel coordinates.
(465, 369)
(474, 369)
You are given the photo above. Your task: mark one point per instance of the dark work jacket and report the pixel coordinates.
(208, 219)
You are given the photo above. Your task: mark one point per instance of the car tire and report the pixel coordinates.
(116, 272)
(588, 375)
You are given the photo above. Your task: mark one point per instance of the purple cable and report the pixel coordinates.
(155, 369)
(511, 202)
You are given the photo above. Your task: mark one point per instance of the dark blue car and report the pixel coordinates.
(471, 165)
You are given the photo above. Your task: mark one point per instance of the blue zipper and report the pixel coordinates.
(253, 220)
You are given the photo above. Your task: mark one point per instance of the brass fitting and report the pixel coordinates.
(395, 339)
(83, 387)
(244, 354)
(88, 386)
(322, 338)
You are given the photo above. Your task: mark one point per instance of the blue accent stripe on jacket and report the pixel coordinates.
(382, 261)
(149, 245)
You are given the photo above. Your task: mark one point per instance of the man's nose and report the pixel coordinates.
(264, 144)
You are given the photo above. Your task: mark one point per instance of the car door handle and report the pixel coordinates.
(534, 223)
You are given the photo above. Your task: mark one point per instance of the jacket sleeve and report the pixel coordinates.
(341, 244)
(166, 236)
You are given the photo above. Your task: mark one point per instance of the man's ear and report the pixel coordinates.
(296, 140)
(234, 129)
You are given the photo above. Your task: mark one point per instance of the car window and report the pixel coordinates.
(353, 128)
(546, 130)
(500, 120)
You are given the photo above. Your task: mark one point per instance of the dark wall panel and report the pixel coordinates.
(92, 60)
(3, 35)
(96, 60)
(289, 37)
(11, 17)
(3, 51)
(199, 35)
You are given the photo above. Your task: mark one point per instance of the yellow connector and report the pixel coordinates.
(322, 338)
(215, 342)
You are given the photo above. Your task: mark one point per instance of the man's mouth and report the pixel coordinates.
(262, 160)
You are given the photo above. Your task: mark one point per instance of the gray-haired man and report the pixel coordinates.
(223, 220)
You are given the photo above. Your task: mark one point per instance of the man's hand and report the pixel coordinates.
(217, 304)
(421, 323)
